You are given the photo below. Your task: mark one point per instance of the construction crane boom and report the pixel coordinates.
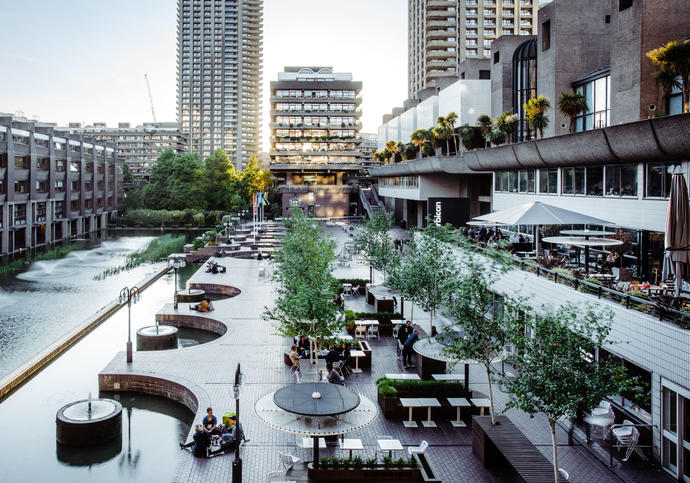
(148, 88)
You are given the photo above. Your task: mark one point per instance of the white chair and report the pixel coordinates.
(360, 332)
(564, 474)
(355, 291)
(288, 461)
(603, 417)
(372, 331)
(628, 436)
(400, 349)
(338, 366)
(384, 452)
(278, 477)
(418, 449)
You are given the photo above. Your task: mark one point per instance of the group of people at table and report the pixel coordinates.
(227, 437)
(302, 350)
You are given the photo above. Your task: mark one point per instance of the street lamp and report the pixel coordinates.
(237, 462)
(176, 262)
(227, 224)
(130, 295)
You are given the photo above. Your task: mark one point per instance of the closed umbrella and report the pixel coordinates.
(677, 240)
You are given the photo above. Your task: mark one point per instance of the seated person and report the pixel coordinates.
(332, 356)
(200, 444)
(611, 260)
(210, 423)
(333, 376)
(294, 357)
(201, 307)
(233, 436)
(303, 346)
(345, 354)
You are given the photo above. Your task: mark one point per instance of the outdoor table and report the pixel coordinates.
(390, 445)
(459, 403)
(351, 444)
(424, 402)
(308, 443)
(398, 321)
(299, 399)
(347, 288)
(366, 322)
(357, 354)
(448, 377)
(403, 377)
(481, 403)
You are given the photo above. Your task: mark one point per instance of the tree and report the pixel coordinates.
(156, 193)
(535, 111)
(674, 58)
(217, 180)
(424, 271)
(304, 302)
(186, 189)
(418, 138)
(480, 323)
(443, 131)
(485, 123)
(507, 123)
(572, 104)
(496, 136)
(450, 120)
(557, 373)
(409, 151)
(375, 243)
(471, 137)
(392, 149)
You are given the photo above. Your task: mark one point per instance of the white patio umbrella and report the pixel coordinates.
(537, 213)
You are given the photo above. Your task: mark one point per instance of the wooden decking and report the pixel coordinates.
(505, 443)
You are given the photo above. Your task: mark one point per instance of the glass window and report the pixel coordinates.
(629, 180)
(548, 180)
(658, 179)
(597, 95)
(669, 410)
(595, 181)
(613, 181)
(526, 181)
(524, 85)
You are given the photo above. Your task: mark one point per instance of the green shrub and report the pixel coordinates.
(563, 271)
(412, 462)
(198, 244)
(387, 461)
(325, 462)
(586, 288)
(357, 462)
(370, 462)
(400, 463)
(378, 315)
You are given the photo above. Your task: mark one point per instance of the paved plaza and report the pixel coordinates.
(208, 370)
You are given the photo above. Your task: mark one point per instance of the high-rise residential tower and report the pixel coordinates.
(219, 55)
(314, 143)
(443, 33)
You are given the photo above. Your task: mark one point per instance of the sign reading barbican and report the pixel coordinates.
(455, 211)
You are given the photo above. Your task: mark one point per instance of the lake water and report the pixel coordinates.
(43, 303)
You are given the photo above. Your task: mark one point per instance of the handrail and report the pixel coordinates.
(665, 313)
(621, 425)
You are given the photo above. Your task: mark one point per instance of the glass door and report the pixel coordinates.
(675, 447)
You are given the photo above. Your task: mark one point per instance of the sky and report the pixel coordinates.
(85, 60)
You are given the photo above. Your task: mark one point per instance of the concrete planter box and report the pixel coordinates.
(392, 409)
(363, 474)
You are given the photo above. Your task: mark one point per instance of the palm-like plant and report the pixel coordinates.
(667, 81)
(392, 149)
(674, 58)
(471, 137)
(485, 124)
(508, 123)
(572, 104)
(442, 132)
(450, 120)
(535, 111)
(418, 138)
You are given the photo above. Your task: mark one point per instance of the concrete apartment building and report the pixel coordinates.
(138, 147)
(615, 166)
(443, 33)
(219, 56)
(314, 138)
(53, 185)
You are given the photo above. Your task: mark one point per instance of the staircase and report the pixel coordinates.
(370, 201)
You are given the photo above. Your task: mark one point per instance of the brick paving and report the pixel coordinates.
(251, 341)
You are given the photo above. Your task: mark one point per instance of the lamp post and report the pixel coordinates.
(237, 462)
(130, 295)
(176, 262)
(227, 224)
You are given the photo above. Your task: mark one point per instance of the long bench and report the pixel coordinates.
(504, 444)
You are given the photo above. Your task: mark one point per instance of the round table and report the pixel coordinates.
(300, 399)
(433, 348)
(585, 241)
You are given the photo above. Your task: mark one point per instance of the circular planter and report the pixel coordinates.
(77, 426)
(191, 295)
(157, 338)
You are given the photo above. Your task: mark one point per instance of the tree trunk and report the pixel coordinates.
(686, 101)
(491, 393)
(571, 126)
(556, 476)
(431, 322)
(447, 148)
(455, 144)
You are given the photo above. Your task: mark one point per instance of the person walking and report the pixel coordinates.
(407, 348)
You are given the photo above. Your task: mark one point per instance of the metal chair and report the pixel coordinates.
(628, 436)
(278, 477)
(355, 291)
(418, 449)
(339, 366)
(373, 330)
(288, 461)
(360, 332)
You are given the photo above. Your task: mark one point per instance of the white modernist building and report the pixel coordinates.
(466, 98)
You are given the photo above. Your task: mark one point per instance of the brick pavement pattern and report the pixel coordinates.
(208, 371)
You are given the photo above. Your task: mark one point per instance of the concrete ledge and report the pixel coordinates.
(26, 371)
(179, 318)
(216, 288)
(179, 390)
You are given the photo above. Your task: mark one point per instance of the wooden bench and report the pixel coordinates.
(505, 444)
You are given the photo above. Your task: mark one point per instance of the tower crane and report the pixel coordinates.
(148, 88)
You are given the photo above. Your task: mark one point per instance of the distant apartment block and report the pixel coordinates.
(219, 55)
(53, 185)
(443, 33)
(314, 143)
(138, 147)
